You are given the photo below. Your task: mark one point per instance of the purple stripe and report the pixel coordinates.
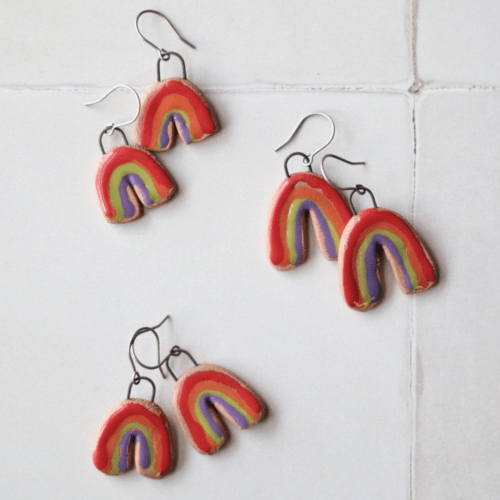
(128, 208)
(230, 410)
(374, 287)
(204, 400)
(138, 183)
(181, 128)
(140, 439)
(329, 243)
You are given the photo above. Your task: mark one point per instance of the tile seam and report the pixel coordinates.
(429, 87)
(417, 86)
(413, 340)
(221, 89)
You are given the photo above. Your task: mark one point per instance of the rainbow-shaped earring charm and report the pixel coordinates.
(135, 431)
(172, 104)
(129, 177)
(297, 195)
(359, 257)
(206, 392)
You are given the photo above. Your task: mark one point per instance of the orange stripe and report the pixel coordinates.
(176, 101)
(209, 385)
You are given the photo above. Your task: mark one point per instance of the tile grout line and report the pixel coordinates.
(413, 339)
(220, 88)
(416, 87)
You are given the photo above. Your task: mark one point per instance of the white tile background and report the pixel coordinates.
(397, 403)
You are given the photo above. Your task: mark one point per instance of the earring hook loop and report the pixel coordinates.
(360, 189)
(105, 132)
(131, 348)
(137, 380)
(311, 156)
(291, 155)
(177, 351)
(166, 57)
(162, 52)
(109, 129)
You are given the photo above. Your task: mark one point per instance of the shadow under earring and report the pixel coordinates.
(302, 193)
(173, 103)
(129, 177)
(359, 260)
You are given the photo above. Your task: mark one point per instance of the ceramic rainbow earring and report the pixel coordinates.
(364, 237)
(129, 177)
(173, 103)
(298, 194)
(135, 432)
(205, 392)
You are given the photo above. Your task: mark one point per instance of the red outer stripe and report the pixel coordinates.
(371, 218)
(102, 458)
(185, 388)
(127, 154)
(276, 249)
(175, 86)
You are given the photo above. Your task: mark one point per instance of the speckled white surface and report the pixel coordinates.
(238, 43)
(457, 43)
(396, 403)
(458, 369)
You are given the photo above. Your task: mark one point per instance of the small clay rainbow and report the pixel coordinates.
(173, 103)
(134, 430)
(127, 178)
(358, 260)
(201, 393)
(300, 193)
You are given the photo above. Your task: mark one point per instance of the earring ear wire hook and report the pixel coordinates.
(162, 52)
(311, 156)
(131, 348)
(358, 188)
(112, 127)
(322, 167)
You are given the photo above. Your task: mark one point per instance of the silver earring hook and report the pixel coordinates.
(322, 167)
(309, 158)
(358, 188)
(112, 127)
(162, 52)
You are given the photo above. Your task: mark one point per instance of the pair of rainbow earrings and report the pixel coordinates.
(355, 239)
(137, 431)
(130, 177)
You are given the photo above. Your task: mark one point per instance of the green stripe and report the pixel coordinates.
(114, 185)
(290, 229)
(204, 422)
(149, 438)
(186, 120)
